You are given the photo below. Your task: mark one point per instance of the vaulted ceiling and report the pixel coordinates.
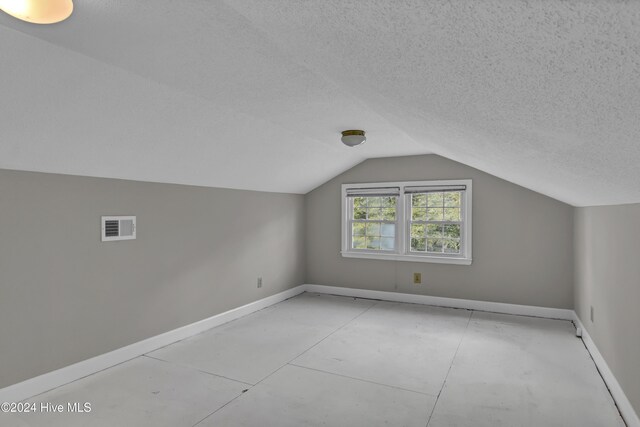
(253, 94)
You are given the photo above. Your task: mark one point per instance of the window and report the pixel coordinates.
(373, 217)
(428, 221)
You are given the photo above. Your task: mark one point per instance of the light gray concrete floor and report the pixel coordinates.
(320, 360)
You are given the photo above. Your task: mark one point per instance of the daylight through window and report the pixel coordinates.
(414, 221)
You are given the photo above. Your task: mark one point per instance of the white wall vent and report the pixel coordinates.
(118, 228)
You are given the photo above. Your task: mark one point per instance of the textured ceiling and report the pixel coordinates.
(252, 94)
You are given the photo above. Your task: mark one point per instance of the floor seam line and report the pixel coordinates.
(81, 378)
(450, 366)
(287, 363)
(242, 393)
(182, 365)
(314, 345)
(360, 379)
(615, 403)
(338, 329)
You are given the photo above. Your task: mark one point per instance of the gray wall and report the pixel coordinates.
(607, 273)
(522, 240)
(65, 296)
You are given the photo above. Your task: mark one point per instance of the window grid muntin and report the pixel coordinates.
(442, 223)
(352, 221)
(406, 188)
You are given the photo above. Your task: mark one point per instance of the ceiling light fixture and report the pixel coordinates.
(351, 138)
(38, 11)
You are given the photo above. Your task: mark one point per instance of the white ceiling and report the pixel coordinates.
(252, 94)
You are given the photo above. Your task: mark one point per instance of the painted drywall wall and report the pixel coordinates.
(607, 278)
(522, 240)
(65, 296)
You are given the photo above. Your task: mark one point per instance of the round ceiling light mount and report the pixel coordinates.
(352, 138)
(38, 11)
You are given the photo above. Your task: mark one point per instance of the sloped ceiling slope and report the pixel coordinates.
(252, 94)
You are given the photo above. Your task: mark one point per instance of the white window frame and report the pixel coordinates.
(403, 212)
(348, 226)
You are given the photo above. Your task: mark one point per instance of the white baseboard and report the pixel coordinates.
(626, 410)
(495, 307)
(51, 380)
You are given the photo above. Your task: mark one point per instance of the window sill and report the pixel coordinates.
(410, 258)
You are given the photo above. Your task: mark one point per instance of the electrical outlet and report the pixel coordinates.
(417, 278)
(259, 282)
(591, 314)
